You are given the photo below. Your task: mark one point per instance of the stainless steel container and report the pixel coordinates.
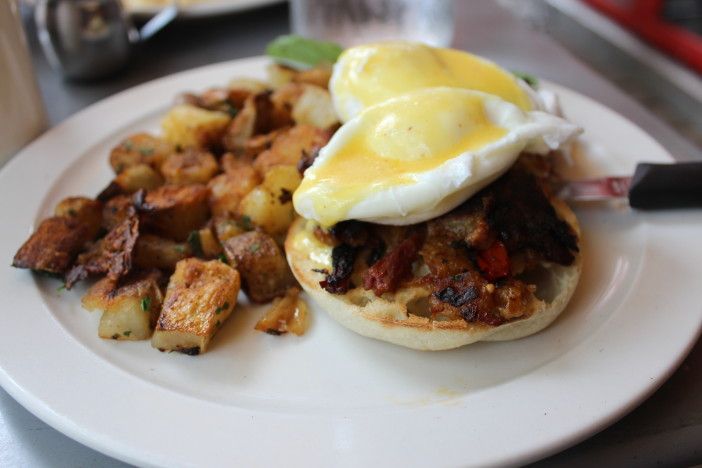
(87, 39)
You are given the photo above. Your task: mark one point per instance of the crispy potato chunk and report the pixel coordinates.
(318, 76)
(129, 312)
(259, 260)
(249, 85)
(189, 126)
(287, 314)
(174, 211)
(227, 190)
(280, 75)
(137, 177)
(287, 95)
(270, 204)
(192, 166)
(242, 127)
(157, 252)
(53, 246)
(258, 116)
(226, 227)
(204, 243)
(141, 148)
(111, 255)
(200, 297)
(86, 210)
(314, 107)
(289, 147)
(116, 210)
(259, 143)
(131, 179)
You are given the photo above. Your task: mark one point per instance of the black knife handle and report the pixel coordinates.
(657, 186)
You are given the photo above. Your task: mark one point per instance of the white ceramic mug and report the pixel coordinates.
(21, 108)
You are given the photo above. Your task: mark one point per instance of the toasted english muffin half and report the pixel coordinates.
(402, 318)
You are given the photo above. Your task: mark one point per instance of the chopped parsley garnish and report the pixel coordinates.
(195, 243)
(245, 223)
(254, 248)
(146, 304)
(179, 249)
(223, 258)
(222, 308)
(61, 288)
(531, 80)
(128, 145)
(127, 333)
(231, 110)
(146, 151)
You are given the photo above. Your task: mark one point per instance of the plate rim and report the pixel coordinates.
(64, 424)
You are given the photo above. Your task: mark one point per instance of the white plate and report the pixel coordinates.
(204, 8)
(333, 397)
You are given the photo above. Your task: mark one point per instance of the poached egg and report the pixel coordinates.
(421, 137)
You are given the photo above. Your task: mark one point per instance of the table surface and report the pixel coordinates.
(666, 429)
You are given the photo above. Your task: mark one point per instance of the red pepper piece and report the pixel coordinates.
(494, 261)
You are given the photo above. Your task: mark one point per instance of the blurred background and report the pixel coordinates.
(650, 49)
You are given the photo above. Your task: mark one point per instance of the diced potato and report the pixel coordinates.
(264, 209)
(250, 85)
(234, 163)
(282, 180)
(289, 147)
(263, 268)
(192, 166)
(141, 148)
(280, 75)
(226, 227)
(156, 252)
(259, 143)
(314, 107)
(199, 299)
(174, 211)
(318, 76)
(129, 312)
(287, 95)
(137, 177)
(53, 246)
(241, 128)
(287, 314)
(189, 126)
(270, 204)
(259, 115)
(206, 242)
(110, 255)
(116, 210)
(86, 210)
(227, 190)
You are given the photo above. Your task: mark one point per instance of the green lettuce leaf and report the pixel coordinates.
(302, 53)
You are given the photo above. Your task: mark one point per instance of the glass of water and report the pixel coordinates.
(351, 22)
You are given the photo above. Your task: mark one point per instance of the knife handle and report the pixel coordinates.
(657, 186)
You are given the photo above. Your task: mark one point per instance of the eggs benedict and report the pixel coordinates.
(425, 221)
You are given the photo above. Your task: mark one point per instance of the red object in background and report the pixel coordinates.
(644, 17)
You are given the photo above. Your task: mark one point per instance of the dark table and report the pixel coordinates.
(664, 430)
